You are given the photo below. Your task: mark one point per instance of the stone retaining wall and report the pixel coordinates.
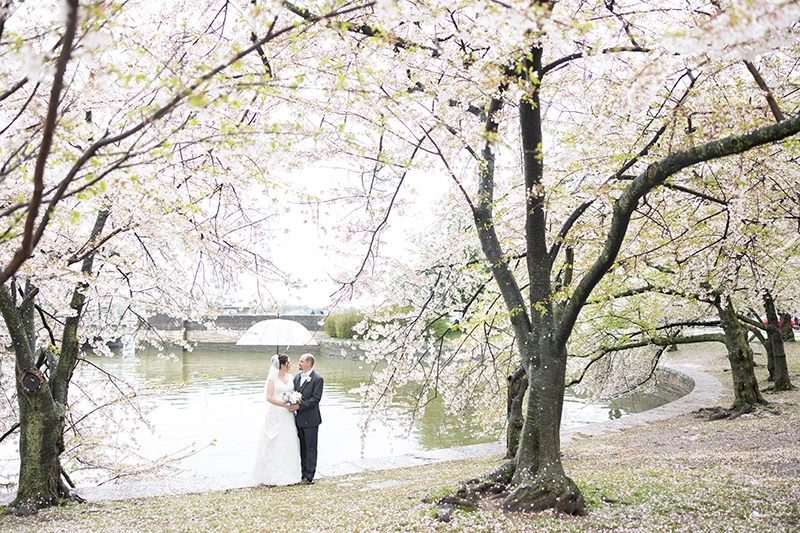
(674, 382)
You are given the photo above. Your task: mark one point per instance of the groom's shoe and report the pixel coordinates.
(309, 481)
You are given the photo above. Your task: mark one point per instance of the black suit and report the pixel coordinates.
(308, 420)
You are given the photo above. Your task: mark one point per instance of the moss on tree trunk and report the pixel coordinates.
(41, 418)
(40, 445)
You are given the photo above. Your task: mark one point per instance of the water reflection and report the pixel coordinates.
(222, 402)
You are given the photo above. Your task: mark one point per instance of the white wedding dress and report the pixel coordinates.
(278, 459)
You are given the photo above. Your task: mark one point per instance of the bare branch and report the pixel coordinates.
(554, 249)
(21, 110)
(773, 104)
(376, 231)
(692, 192)
(75, 258)
(14, 88)
(577, 55)
(11, 430)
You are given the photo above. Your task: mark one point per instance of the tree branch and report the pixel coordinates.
(695, 193)
(28, 236)
(483, 216)
(577, 55)
(75, 258)
(385, 220)
(33, 234)
(68, 358)
(11, 430)
(554, 249)
(651, 341)
(773, 104)
(653, 176)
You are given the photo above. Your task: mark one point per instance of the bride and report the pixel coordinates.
(278, 459)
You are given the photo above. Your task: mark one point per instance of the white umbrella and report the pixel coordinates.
(277, 332)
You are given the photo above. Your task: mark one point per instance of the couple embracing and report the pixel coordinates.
(287, 450)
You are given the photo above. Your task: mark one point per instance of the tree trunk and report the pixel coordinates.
(775, 338)
(536, 471)
(539, 476)
(767, 348)
(740, 355)
(541, 334)
(787, 332)
(41, 419)
(42, 401)
(40, 446)
(517, 386)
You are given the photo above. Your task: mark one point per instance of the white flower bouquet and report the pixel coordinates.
(292, 397)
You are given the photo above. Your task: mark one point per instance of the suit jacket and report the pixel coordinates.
(308, 413)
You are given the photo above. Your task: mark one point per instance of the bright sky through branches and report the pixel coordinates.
(309, 245)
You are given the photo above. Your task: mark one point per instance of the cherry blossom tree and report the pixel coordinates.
(728, 252)
(571, 117)
(157, 124)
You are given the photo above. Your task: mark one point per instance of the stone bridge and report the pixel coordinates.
(226, 329)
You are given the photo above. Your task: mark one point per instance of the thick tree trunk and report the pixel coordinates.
(40, 445)
(41, 419)
(740, 355)
(42, 401)
(539, 476)
(780, 371)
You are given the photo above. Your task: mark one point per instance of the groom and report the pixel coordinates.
(309, 384)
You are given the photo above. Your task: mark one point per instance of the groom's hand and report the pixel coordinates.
(294, 407)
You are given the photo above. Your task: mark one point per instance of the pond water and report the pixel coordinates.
(223, 403)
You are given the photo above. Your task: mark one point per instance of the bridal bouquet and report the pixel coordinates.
(292, 397)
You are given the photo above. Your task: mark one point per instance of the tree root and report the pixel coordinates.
(779, 388)
(502, 474)
(445, 505)
(74, 497)
(723, 413)
(31, 506)
(538, 497)
(496, 492)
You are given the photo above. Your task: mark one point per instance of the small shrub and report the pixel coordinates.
(341, 325)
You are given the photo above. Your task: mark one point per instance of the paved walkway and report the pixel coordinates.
(706, 392)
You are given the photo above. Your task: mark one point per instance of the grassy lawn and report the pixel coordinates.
(685, 474)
